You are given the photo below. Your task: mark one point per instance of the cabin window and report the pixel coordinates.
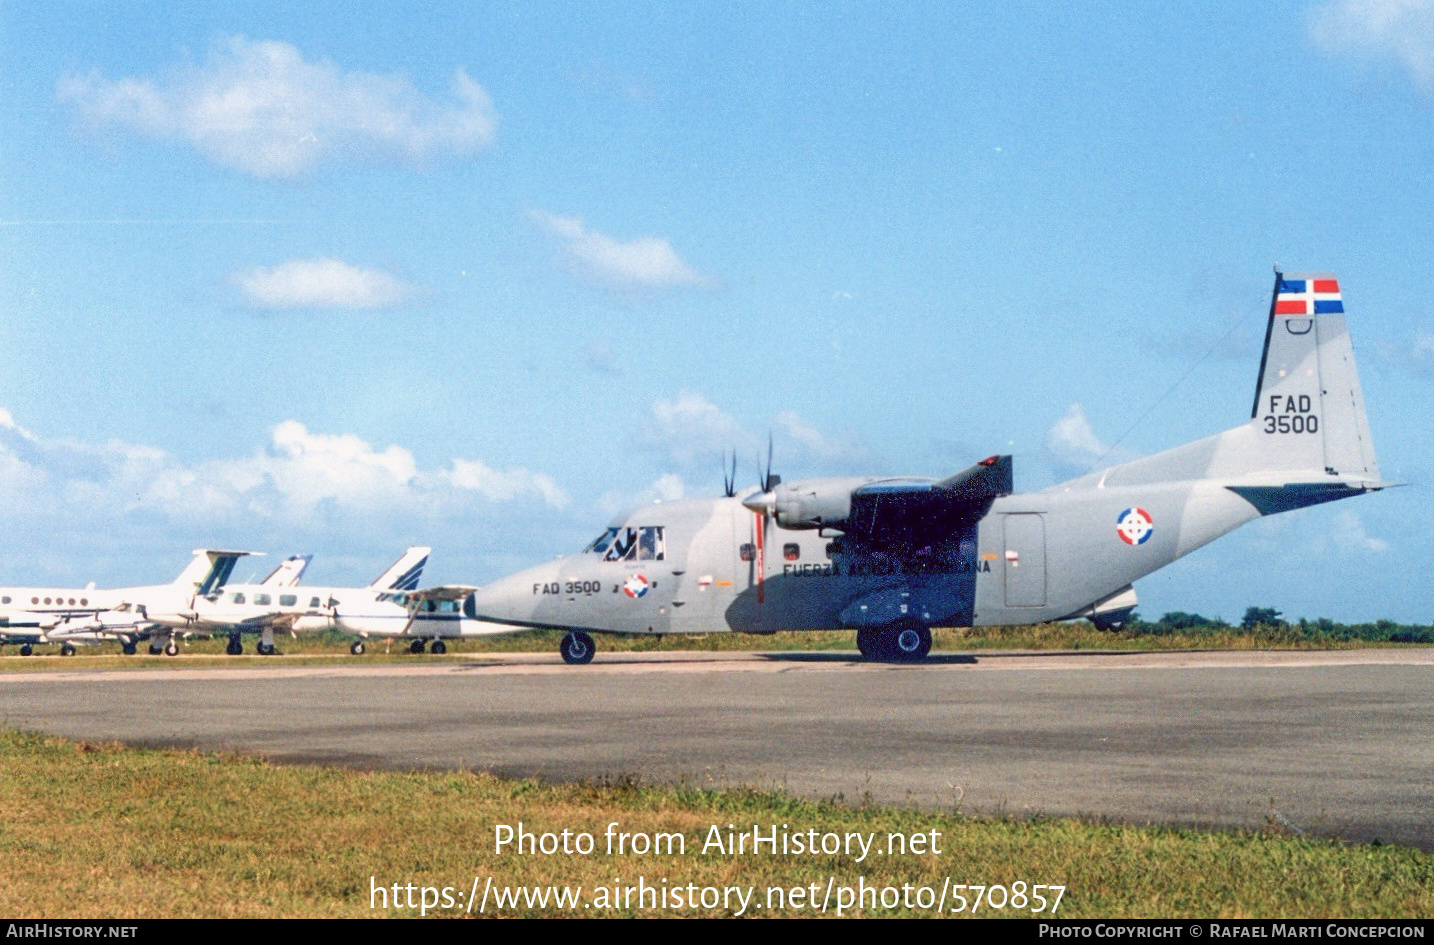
(314, 602)
(792, 551)
(748, 551)
(34, 600)
(264, 600)
(6, 600)
(288, 600)
(84, 601)
(237, 599)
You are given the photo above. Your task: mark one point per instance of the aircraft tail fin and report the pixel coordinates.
(404, 574)
(210, 570)
(1309, 408)
(289, 571)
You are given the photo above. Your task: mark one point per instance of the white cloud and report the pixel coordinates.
(299, 476)
(1350, 532)
(692, 432)
(1417, 356)
(645, 263)
(813, 446)
(261, 108)
(1398, 30)
(504, 485)
(1073, 442)
(322, 283)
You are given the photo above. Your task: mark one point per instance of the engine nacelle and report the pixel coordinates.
(814, 503)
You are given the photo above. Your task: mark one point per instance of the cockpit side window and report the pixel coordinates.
(650, 544)
(601, 542)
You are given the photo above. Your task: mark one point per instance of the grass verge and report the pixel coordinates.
(103, 831)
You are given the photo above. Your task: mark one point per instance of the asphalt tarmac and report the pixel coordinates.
(1333, 744)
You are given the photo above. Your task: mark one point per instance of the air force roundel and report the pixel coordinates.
(1134, 526)
(635, 586)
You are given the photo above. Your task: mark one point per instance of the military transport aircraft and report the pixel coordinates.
(893, 557)
(31, 615)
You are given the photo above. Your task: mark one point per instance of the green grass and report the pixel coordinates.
(105, 831)
(1057, 637)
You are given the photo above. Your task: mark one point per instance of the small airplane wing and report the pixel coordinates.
(893, 514)
(441, 593)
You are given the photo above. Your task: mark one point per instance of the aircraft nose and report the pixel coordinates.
(514, 599)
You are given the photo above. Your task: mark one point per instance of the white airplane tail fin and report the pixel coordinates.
(289, 571)
(405, 572)
(210, 570)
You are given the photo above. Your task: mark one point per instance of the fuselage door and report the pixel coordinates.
(1025, 560)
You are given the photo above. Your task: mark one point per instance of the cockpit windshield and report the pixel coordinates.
(600, 543)
(630, 543)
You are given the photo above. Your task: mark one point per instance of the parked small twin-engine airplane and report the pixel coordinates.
(69, 616)
(892, 557)
(392, 606)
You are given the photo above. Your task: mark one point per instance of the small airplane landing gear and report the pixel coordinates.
(438, 648)
(868, 642)
(26, 649)
(908, 641)
(171, 648)
(128, 649)
(155, 649)
(357, 648)
(416, 646)
(235, 648)
(265, 649)
(577, 648)
(67, 650)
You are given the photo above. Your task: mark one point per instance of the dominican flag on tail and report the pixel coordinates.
(1308, 295)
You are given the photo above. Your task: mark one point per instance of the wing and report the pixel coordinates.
(908, 514)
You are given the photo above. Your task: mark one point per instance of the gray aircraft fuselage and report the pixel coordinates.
(877, 555)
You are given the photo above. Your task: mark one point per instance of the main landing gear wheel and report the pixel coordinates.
(868, 641)
(577, 648)
(26, 649)
(235, 648)
(67, 650)
(155, 649)
(128, 649)
(357, 649)
(171, 649)
(265, 649)
(416, 646)
(909, 641)
(438, 648)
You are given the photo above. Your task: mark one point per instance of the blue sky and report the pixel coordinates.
(339, 278)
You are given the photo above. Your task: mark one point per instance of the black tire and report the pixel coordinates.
(67, 650)
(155, 649)
(577, 648)
(171, 648)
(438, 648)
(235, 648)
(265, 649)
(909, 640)
(417, 646)
(128, 649)
(357, 648)
(26, 649)
(868, 642)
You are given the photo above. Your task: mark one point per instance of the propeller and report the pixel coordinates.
(763, 505)
(729, 476)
